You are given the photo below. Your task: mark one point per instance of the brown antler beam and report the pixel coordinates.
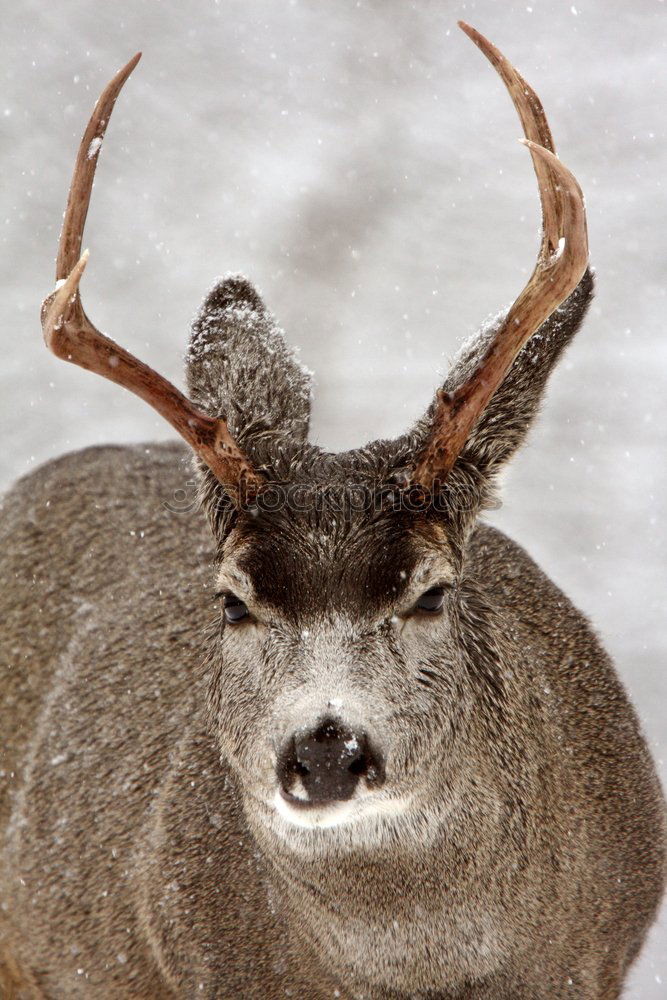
(561, 262)
(70, 335)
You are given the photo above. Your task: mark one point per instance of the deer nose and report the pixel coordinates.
(325, 764)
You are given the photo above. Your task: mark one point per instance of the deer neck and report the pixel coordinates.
(378, 915)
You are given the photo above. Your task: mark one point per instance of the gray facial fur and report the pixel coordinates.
(511, 842)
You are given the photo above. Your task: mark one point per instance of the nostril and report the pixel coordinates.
(300, 768)
(359, 766)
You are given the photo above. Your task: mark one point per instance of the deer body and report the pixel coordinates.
(330, 735)
(130, 858)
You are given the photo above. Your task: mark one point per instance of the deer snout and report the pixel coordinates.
(326, 763)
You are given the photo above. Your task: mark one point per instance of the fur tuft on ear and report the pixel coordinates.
(240, 368)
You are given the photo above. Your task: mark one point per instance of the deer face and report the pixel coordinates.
(349, 657)
(338, 682)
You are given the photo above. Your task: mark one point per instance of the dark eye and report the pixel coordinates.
(432, 600)
(235, 609)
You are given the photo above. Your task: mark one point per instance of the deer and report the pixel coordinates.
(325, 732)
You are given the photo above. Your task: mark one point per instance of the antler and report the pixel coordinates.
(70, 335)
(561, 262)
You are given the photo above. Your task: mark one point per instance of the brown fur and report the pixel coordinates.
(141, 854)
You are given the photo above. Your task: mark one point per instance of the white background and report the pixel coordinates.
(358, 160)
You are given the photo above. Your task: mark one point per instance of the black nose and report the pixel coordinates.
(327, 763)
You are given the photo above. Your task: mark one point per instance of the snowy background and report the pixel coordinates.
(358, 160)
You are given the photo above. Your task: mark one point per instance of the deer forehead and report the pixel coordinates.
(314, 570)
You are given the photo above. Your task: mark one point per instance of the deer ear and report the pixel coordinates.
(240, 368)
(504, 424)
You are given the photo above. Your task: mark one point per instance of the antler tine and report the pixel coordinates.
(70, 335)
(561, 262)
(78, 199)
(535, 126)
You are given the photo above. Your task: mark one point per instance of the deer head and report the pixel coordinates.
(354, 661)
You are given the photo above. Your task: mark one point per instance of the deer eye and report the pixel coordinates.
(234, 608)
(432, 600)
